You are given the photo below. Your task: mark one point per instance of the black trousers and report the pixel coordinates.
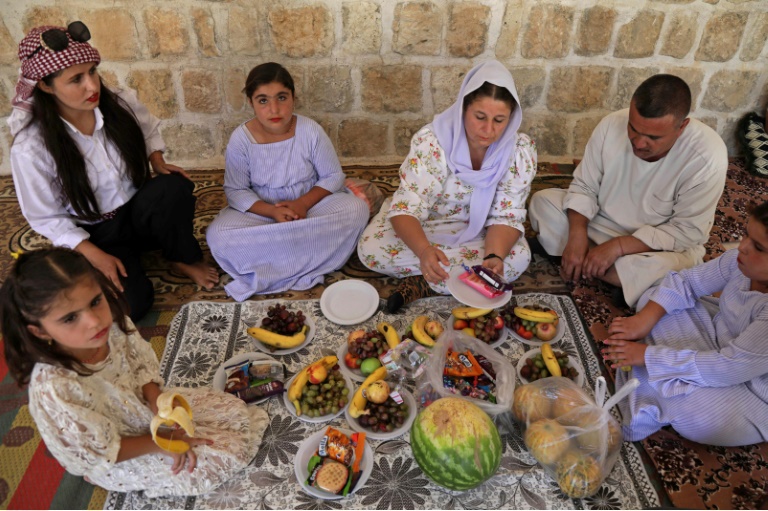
(159, 216)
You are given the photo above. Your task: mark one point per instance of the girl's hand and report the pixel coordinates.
(630, 328)
(160, 167)
(621, 353)
(430, 259)
(187, 459)
(283, 214)
(109, 265)
(298, 208)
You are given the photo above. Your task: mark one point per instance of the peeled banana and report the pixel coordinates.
(389, 333)
(534, 315)
(277, 340)
(302, 378)
(359, 402)
(169, 415)
(549, 360)
(469, 312)
(421, 336)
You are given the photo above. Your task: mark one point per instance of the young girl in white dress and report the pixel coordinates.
(94, 382)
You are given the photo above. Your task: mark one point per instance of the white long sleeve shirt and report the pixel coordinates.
(41, 198)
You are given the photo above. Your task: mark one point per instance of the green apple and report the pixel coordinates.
(369, 365)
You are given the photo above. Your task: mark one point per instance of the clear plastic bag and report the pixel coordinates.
(431, 384)
(367, 191)
(576, 440)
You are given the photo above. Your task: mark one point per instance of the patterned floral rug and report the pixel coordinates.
(204, 335)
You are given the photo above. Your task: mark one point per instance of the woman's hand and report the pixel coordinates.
(150, 391)
(161, 167)
(621, 353)
(109, 265)
(430, 259)
(495, 264)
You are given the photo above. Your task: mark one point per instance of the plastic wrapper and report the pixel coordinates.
(493, 391)
(335, 466)
(367, 191)
(576, 440)
(485, 281)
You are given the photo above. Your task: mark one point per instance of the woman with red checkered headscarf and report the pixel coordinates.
(81, 160)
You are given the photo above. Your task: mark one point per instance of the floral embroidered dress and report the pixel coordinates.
(431, 192)
(82, 419)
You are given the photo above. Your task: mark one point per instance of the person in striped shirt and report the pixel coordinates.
(703, 370)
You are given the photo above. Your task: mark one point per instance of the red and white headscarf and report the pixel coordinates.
(46, 61)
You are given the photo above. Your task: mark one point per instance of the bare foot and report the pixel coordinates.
(201, 273)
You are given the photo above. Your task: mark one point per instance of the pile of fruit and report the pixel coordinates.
(484, 324)
(535, 367)
(281, 329)
(576, 441)
(424, 330)
(365, 348)
(319, 389)
(382, 414)
(531, 321)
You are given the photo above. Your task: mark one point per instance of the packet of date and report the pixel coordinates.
(430, 385)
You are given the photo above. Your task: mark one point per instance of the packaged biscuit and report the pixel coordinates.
(335, 452)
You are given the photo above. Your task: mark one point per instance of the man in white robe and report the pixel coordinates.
(643, 199)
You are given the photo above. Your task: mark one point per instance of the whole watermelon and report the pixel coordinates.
(455, 443)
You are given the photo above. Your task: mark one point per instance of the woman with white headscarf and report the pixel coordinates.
(462, 193)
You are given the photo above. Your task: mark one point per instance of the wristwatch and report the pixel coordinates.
(491, 256)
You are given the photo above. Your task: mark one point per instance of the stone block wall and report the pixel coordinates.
(372, 72)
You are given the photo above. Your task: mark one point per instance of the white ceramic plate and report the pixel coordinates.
(273, 351)
(469, 296)
(495, 344)
(535, 351)
(349, 302)
(412, 410)
(323, 418)
(308, 448)
(535, 341)
(220, 378)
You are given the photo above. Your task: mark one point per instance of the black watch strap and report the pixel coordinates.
(491, 256)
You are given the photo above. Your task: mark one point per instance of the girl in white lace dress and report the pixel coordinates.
(93, 384)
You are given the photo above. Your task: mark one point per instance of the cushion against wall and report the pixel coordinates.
(753, 139)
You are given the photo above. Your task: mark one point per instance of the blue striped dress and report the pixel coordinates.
(262, 255)
(706, 376)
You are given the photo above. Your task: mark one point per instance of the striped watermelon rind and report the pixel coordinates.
(456, 444)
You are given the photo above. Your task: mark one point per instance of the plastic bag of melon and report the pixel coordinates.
(573, 438)
(494, 393)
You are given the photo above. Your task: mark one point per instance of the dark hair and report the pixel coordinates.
(662, 95)
(760, 213)
(35, 281)
(489, 90)
(120, 127)
(269, 72)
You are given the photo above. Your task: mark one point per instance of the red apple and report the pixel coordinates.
(545, 331)
(460, 324)
(317, 374)
(433, 329)
(498, 323)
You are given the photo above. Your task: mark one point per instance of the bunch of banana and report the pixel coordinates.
(359, 403)
(469, 312)
(421, 335)
(169, 415)
(302, 378)
(389, 333)
(549, 360)
(535, 316)
(277, 340)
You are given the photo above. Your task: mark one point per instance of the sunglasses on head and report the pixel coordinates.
(56, 39)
